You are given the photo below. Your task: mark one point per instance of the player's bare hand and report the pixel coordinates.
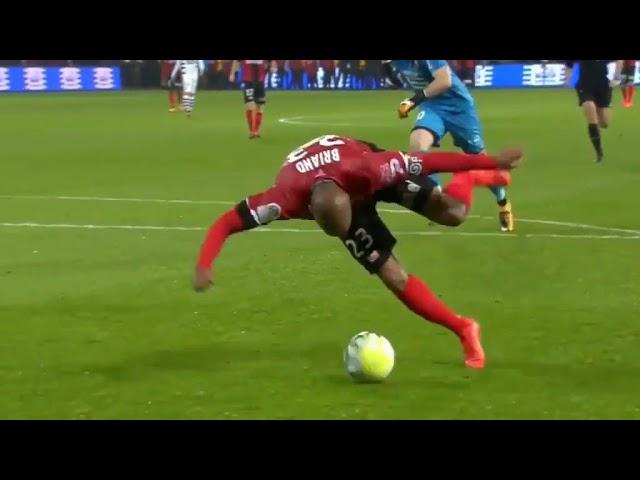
(509, 158)
(202, 279)
(405, 107)
(614, 83)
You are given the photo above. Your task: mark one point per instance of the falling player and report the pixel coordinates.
(444, 105)
(190, 71)
(333, 180)
(627, 86)
(594, 96)
(255, 96)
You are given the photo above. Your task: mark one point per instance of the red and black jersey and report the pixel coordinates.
(254, 71)
(359, 168)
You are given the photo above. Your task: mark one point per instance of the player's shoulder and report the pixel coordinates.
(434, 65)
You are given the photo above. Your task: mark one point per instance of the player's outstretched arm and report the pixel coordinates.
(434, 162)
(229, 223)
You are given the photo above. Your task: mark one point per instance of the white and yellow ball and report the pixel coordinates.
(369, 357)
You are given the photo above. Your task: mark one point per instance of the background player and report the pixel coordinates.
(190, 70)
(445, 105)
(627, 86)
(255, 96)
(175, 87)
(332, 180)
(594, 96)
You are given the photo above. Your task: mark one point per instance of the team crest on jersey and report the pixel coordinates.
(414, 165)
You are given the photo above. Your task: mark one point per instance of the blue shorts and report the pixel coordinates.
(463, 126)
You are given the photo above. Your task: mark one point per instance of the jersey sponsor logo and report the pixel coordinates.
(318, 160)
(103, 78)
(4, 79)
(268, 213)
(70, 78)
(544, 75)
(484, 76)
(35, 78)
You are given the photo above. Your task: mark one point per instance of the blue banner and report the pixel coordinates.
(49, 79)
(534, 75)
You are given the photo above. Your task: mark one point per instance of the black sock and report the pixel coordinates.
(594, 135)
(503, 202)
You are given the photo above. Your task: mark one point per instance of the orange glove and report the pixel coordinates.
(405, 107)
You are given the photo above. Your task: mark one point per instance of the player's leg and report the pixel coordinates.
(427, 131)
(466, 130)
(627, 87)
(603, 106)
(421, 300)
(260, 100)
(250, 105)
(422, 195)
(370, 243)
(189, 87)
(586, 100)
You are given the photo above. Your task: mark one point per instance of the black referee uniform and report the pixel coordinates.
(593, 83)
(593, 86)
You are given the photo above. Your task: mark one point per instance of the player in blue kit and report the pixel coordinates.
(444, 106)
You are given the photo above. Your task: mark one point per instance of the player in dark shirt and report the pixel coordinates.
(594, 96)
(333, 180)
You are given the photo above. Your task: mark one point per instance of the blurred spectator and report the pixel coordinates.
(282, 74)
(311, 67)
(219, 78)
(345, 68)
(359, 73)
(297, 74)
(329, 72)
(467, 72)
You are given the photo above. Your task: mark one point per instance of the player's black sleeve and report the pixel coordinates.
(245, 213)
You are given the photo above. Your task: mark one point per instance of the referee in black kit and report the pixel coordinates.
(594, 95)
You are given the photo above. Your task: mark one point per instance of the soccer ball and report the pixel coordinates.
(369, 357)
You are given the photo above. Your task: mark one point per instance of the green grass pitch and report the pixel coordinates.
(102, 323)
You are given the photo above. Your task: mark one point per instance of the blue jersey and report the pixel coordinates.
(419, 73)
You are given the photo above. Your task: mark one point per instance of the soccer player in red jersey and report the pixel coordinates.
(627, 86)
(334, 180)
(255, 96)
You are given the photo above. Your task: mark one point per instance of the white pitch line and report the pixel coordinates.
(309, 230)
(115, 199)
(225, 202)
